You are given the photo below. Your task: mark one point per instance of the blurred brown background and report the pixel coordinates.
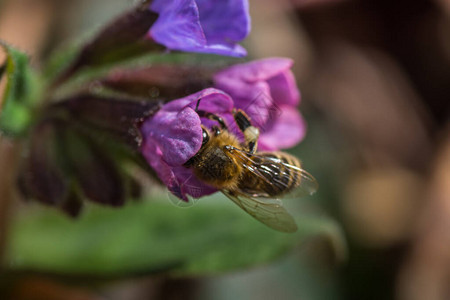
(375, 78)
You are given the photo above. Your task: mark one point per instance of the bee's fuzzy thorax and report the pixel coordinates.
(215, 165)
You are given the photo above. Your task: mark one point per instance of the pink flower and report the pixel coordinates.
(266, 90)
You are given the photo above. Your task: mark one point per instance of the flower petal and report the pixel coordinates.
(178, 25)
(253, 98)
(176, 127)
(179, 180)
(283, 89)
(188, 184)
(215, 29)
(178, 134)
(219, 49)
(153, 155)
(286, 131)
(224, 21)
(259, 70)
(212, 100)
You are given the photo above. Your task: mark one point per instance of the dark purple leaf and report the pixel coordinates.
(123, 38)
(134, 187)
(119, 117)
(42, 177)
(162, 81)
(72, 205)
(93, 169)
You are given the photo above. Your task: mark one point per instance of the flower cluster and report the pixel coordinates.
(264, 89)
(66, 162)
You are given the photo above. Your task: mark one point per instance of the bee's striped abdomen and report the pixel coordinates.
(272, 174)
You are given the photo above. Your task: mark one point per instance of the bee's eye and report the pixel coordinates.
(205, 137)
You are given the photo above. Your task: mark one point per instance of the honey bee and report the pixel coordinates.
(255, 181)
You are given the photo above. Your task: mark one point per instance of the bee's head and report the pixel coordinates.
(214, 163)
(207, 135)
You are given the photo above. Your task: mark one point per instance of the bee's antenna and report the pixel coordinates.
(209, 115)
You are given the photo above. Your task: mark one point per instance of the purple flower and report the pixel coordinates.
(201, 25)
(174, 134)
(266, 90)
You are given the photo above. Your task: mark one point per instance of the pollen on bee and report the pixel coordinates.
(253, 132)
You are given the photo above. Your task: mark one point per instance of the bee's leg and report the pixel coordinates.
(251, 133)
(214, 117)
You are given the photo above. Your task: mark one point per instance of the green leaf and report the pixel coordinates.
(22, 91)
(152, 236)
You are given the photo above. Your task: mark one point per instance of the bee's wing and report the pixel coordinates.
(307, 185)
(270, 212)
(279, 173)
